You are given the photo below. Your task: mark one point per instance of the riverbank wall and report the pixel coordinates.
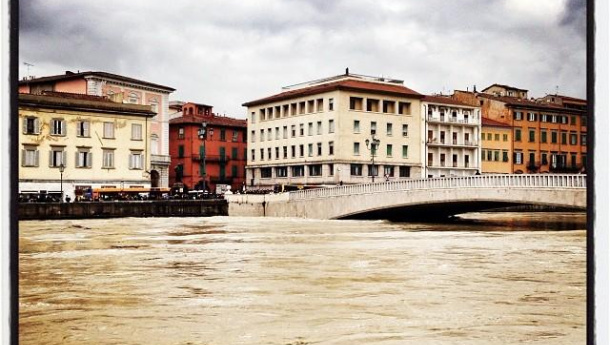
(116, 209)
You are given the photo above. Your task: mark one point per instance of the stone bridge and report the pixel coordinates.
(418, 198)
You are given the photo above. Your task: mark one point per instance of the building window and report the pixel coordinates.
(405, 151)
(252, 136)
(84, 157)
(293, 131)
(388, 170)
(319, 127)
(293, 151)
(108, 130)
(262, 151)
(356, 126)
(57, 157)
(235, 153)
(489, 155)
(372, 105)
(583, 139)
(388, 107)
(489, 135)
(532, 135)
(404, 108)
(483, 153)
(331, 170)
(315, 170)
(58, 127)
(564, 138)
(331, 104)
(253, 117)
(518, 115)
(277, 153)
(405, 130)
(331, 148)
(404, 171)
(29, 156)
(504, 137)
(269, 153)
(234, 137)
(108, 159)
(543, 136)
(136, 160)
(253, 155)
(388, 129)
(310, 128)
(373, 127)
(285, 132)
(136, 131)
(265, 172)
(319, 105)
(389, 150)
(180, 151)
(331, 126)
(285, 152)
(355, 103)
(281, 172)
(355, 169)
(82, 129)
(573, 139)
(497, 137)
(269, 134)
(496, 156)
(553, 137)
(517, 134)
(277, 133)
(298, 171)
(310, 150)
(223, 135)
(573, 120)
(518, 157)
(319, 149)
(531, 117)
(504, 156)
(31, 125)
(301, 129)
(544, 158)
(356, 149)
(544, 118)
(301, 150)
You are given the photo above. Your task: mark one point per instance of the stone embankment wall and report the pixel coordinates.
(115, 209)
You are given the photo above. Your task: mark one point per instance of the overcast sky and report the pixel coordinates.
(227, 52)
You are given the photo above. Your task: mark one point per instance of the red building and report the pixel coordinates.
(208, 151)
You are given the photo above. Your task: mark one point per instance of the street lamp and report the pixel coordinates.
(61, 181)
(374, 144)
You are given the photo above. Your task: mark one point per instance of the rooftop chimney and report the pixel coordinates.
(347, 71)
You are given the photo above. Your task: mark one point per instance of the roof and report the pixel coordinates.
(77, 96)
(71, 75)
(445, 100)
(504, 86)
(345, 84)
(196, 119)
(491, 123)
(74, 102)
(568, 98)
(518, 102)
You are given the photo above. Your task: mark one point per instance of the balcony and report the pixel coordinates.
(160, 159)
(452, 120)
(212, 158)
(442, 142)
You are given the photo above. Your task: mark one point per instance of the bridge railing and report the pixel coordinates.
(479, 181)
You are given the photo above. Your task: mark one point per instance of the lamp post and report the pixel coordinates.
(202, 136)
(61, 181)
(374, 144)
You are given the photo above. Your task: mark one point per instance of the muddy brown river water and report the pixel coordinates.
(503, 278)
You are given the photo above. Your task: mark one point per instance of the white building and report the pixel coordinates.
(452, 131)
(322, 133)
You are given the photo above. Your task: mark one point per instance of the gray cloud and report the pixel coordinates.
(228, 52)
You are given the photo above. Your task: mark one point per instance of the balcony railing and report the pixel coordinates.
(160, 159)
(212, 158)
(452, 120)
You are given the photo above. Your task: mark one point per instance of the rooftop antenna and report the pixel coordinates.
(556, 89)
(28, 65)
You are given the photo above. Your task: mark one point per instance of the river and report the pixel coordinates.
(490, 278)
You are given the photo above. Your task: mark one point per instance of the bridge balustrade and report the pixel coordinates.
(480, 181)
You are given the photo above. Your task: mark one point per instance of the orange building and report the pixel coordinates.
(211, 160)
(548, 135)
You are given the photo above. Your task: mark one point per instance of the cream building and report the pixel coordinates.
(452, 133)
(121, 89)
(100, 143)
(322, 133)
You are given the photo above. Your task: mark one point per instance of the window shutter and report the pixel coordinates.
(131, 161)
(51, 158)
(90, 156)
(63, 127)
(22, 158)
(64, 158)
(86, 128)
(36, 158)
(36, 126)
(76, 163)
(25, 125)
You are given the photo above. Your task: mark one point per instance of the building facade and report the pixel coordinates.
(213, 159)
(97, 142)
(452, 131)
(496, 147)
(122, 90)
(546, 136)
(343, 129)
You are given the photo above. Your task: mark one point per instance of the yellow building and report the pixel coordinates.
(96, 142)
(496, 143)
